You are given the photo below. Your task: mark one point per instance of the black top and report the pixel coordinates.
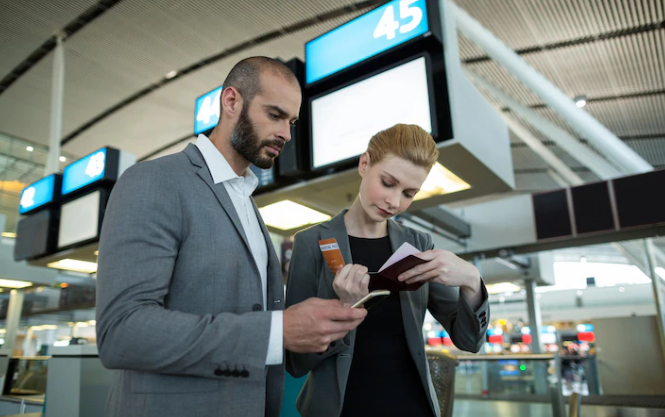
(383, 380)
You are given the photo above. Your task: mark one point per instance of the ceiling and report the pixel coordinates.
(118, 52)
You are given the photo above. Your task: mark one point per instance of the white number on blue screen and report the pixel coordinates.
(95, 165)
(388, 25)
(28, 197)
(209, 109)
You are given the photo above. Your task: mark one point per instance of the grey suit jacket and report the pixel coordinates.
(309, 276)
(179, 300)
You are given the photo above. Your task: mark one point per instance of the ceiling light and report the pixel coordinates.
(287, 215)
(580, 101)
(441, 181)
(92, 322)
(45, 327)
(10, 283)
(9, 235)
(502, 288)
(30, 149)
(82, 324)
(62, 159)
(74, 265)
(170, 74)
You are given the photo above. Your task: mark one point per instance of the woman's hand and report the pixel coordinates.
(444, 267)
(351, 283)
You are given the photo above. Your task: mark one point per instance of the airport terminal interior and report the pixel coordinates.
(549, 118)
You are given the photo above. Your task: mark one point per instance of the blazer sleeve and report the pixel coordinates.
(139, 246)
(301, 284)
(447, 304)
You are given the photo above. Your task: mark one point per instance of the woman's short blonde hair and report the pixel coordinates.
(410, 142)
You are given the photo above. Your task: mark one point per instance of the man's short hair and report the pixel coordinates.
(245, 75)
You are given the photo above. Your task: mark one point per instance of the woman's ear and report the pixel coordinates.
(363, 164)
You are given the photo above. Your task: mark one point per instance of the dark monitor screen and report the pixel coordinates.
(592, 207)
(33, 237)
(640, 199)
(552, 214)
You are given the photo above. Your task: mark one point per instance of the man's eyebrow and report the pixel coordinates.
(282, 113)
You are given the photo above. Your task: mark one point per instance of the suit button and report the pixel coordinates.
(235, 374)
(219, 372)
(226, 372)
(257, 307)
(244, 374)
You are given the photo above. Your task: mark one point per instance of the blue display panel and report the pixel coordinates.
(37, 194)
(206, 111)
(84, 171)
(364, 37)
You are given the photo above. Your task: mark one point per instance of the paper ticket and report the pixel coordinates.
(332, 254)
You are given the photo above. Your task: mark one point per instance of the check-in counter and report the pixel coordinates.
(77, 384)
(24, 385)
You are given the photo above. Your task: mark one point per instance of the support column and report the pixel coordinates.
(57, 89)
(533, 307)
(658, 291)
(11, 326)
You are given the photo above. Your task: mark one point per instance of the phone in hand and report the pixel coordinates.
(371, 299)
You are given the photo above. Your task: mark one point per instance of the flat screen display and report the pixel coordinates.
(552, 215)
(266, 176)
(344, 121)
(84, 171)
(640, 199)
(79, 219)
(32, 236)
(206, 111)
(592, 207)
(382, 29)
(37, 194)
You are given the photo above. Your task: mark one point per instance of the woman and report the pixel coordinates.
(380, 369)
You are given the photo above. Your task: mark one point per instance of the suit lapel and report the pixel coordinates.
(219, 190)
(336, 229)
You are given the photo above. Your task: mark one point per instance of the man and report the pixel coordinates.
(189, 288)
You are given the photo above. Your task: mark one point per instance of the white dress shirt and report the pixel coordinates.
(240, 190)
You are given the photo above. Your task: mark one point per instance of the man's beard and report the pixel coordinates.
(246, 142)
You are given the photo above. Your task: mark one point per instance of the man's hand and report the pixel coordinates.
(310, 326)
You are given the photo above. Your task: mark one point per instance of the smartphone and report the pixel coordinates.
(371, 299)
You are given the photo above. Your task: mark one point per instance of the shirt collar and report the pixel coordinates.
(219, 167)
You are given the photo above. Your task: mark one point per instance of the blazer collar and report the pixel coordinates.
(336, 229)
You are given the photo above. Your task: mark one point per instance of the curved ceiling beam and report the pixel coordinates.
(45, 48)
(266, 37)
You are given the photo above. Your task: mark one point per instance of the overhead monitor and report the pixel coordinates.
(38, 194)
(79, 220)
(266, 176)
(206, 111)
(84, 171)
(552, 214)
(343, 121)
(34, 236)
(374, 32)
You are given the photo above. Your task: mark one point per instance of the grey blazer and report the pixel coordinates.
(179, 300)
(309, 276)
